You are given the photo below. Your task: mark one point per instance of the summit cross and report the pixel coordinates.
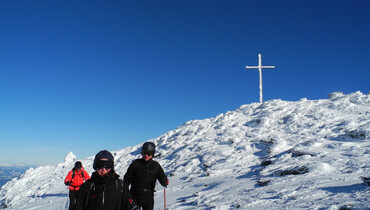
(260, 67)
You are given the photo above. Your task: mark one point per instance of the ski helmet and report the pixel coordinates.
(78, 164)
(148, 147)
(104, 154)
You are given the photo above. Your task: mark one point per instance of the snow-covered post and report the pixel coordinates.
(260, 67)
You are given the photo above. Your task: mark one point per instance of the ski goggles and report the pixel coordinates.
(147, 153)
(107, 164)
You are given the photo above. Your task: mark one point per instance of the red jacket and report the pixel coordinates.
(77, 180)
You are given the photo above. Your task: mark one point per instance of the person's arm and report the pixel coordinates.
(127, 178)
(86, 175)
(68, 179)
(127, 200)
(162, 178)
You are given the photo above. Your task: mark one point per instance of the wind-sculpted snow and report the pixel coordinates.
(277, 155)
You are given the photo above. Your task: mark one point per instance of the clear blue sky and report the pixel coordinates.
(83, 76)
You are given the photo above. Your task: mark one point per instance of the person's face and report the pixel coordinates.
(104, 166)
(147, 156)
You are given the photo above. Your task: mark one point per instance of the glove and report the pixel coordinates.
(67, 183)
(168, 181)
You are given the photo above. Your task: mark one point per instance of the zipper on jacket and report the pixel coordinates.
(92, 187)
(147, 171)
(103, 193)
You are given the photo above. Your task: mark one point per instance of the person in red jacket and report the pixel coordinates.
(75, 178)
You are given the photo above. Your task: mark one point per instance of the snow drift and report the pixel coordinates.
(276, 155)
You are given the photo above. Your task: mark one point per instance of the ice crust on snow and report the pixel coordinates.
(277, 155)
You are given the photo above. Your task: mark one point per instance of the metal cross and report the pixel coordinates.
(260, 67)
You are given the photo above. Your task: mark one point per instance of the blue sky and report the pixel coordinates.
(84, 76)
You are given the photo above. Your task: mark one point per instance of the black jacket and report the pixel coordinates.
(142, 176)
(103, 193)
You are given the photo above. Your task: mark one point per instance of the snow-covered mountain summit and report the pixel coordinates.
(276, 155)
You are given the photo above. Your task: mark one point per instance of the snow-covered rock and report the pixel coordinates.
(70, 158)
(277, 155)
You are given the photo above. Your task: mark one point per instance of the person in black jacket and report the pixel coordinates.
(104, 190)
(142, 175)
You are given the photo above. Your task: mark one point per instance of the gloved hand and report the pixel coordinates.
(168, 181)
(67, 183)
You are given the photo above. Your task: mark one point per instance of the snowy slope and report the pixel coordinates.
(304, 154)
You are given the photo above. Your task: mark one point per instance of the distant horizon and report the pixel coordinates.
(16, 165)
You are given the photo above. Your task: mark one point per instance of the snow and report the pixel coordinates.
(275, 155)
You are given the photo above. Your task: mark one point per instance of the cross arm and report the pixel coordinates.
(262, 67)
(251, 67)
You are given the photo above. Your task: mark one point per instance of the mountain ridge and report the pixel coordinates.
(271, 155)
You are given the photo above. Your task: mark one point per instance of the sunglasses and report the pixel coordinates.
(104, 164)
(147, 153)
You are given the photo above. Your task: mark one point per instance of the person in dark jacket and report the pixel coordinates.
(104, 190)
(75, 178)
(142, 175)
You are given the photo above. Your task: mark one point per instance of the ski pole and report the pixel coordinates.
(164, 193)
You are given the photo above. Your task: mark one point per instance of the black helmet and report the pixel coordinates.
(78, 164)
(104, 154)
(148, 147)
